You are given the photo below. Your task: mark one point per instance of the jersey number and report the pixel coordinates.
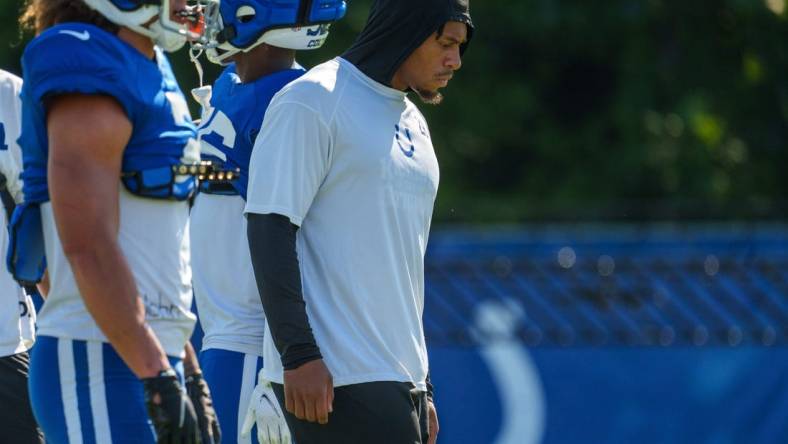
(217, 135)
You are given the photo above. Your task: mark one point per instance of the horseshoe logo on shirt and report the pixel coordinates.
(408, 152)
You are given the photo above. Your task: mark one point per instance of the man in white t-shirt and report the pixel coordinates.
(343, 179)
(17, 315)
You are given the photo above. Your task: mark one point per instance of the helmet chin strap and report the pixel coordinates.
(167, 39)
(220, 54)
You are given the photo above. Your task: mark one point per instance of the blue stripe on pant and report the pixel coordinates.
(83, 393)
(231, 377)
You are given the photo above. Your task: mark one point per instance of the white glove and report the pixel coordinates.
(264, 408)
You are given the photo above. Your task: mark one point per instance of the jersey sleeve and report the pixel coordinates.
(78, 59)
(290, 159)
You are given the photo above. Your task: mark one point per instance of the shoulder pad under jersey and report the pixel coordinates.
(80, 58)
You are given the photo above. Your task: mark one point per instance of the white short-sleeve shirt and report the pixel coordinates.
(351, 162)
(17, 317)
(229, 306)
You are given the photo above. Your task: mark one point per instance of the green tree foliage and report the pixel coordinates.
(632, 109)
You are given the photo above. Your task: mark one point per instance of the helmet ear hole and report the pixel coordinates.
(245, 14)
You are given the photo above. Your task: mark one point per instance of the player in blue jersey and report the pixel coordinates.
(105, 127)
(259, 40)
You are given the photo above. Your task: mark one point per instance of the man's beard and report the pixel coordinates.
(430, 97)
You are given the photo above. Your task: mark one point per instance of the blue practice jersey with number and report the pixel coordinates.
(224, 285)
(84, 59)
(228, 131)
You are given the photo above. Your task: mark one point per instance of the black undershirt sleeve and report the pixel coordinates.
(272, 244)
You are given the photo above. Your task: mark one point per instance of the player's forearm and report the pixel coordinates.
(272, 241)
(82, 174)
(108, 289)
(191, 366)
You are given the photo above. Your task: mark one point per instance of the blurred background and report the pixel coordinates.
(609, 258)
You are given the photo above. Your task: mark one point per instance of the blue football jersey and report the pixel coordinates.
(228, 133)
(84, 59)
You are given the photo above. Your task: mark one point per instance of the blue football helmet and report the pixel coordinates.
(165, 32)
(233, 26)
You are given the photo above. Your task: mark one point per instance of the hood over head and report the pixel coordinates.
(395, 29)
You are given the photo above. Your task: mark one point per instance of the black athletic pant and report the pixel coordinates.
(17, 424)
(369, 413)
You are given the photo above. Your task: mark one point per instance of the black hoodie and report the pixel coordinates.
(396, 28)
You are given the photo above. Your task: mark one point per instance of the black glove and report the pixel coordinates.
(200, 396)
(170, 410)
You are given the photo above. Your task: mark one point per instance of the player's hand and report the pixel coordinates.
(432, 418)
(264, 409)
(170, 410)
(200, 396)
(309, 392)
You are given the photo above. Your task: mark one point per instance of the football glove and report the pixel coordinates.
(170, 410)
(200, 396)
(264, 409)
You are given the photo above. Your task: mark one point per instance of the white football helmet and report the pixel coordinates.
(141, 16)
